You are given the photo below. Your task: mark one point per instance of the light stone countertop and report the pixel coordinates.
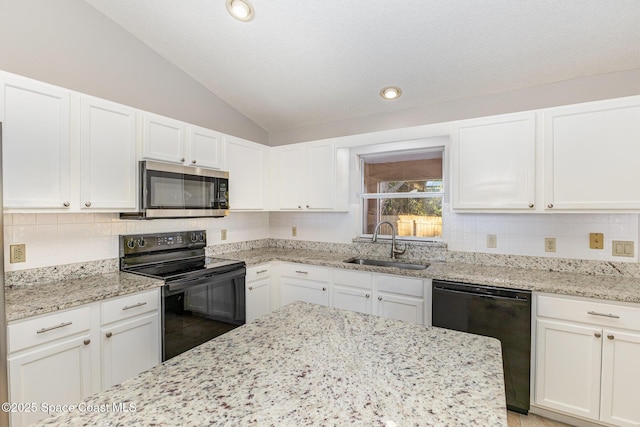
(32, 300)
(311, 365)
(613, 288)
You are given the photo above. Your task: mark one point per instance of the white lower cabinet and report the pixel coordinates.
(130, 334)
(258, 291)
(587, 356)
(300, 282)
(397, 297)
(58, 358)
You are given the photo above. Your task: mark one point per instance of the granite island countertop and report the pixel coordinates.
(613, 288)
(31, 300)
(307, 364)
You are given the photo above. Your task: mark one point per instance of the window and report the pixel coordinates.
(405, 189)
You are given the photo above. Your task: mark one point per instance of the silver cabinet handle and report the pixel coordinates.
(308, 207)
(51, 328)
(182, 160)
(324, 289)
(108, 334)
(87, 204)
(367, 295)
(597, 334)
(550, 205)
(193, 161)
(261, 271)
(302, 272)
(250, 288)
(379, 298)
(595, 313)
(531, 205)
(610, 336)
(87, 342)
(299, 207)
(66, 204)
(129, 307)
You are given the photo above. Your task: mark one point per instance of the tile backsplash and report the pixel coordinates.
(55, 239)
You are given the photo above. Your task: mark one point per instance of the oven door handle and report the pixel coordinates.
(204, 280)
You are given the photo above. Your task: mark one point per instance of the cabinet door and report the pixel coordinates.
(320, 192)
(163, 139)
(620, 378)
(303, 290)
(568, 358)
(108, 155)
(36, 143)
(353, 299)
(205, 147)
(56, 374)
(292, 176)
(493, 163)
(258, 296)
(246, 163)
(591, 153)
(129, 348)
(399, 307)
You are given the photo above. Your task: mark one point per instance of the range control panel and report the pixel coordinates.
(148, 243)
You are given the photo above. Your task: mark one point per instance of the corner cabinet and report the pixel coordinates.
(310, 177)
(493, 163)
(172, 141)
(587, 356)
(248, 166)
(591, 154)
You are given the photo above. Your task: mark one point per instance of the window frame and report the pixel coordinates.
(364, 196)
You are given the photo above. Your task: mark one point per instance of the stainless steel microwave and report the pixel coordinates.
(175, 191)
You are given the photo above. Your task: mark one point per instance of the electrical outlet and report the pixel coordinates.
(294, 231)
(549, 244)
(223, 234)
(492, 241)
(17, 253)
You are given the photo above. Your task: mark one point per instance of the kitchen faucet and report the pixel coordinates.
(394, 251)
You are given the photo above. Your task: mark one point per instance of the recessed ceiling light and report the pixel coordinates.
(391, 92)
(240, 9)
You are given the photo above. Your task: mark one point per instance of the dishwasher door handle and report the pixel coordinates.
(481, 295)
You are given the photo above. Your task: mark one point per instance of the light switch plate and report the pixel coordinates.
(294, 231)
(622, 248)
(492, 241)
(596, 240)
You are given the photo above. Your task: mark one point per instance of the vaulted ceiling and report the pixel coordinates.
(308, 62)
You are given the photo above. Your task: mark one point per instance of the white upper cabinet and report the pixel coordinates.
(306, 177)
(493, 163)
(591, 154)
(36, 144)
(204, 147)
(248, 167)
(172, 141)
(163, 139)
(108, 155)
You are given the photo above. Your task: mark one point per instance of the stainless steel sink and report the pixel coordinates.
(383, 263)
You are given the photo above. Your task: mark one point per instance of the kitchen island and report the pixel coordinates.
(307, 364)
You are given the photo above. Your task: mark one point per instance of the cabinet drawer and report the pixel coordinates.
(258, 272)
(48, 328)
(303, 271)
(400, 285)
(352, 278)
(595, 312)
(129, 306)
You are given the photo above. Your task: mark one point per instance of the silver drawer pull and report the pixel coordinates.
(261, 271)
(595, 313)
(128, 307)
(51, 328)
(302, 272)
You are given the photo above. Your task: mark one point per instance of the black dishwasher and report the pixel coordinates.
(495, 312)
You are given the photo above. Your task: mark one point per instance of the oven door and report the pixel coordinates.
(199, 309)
